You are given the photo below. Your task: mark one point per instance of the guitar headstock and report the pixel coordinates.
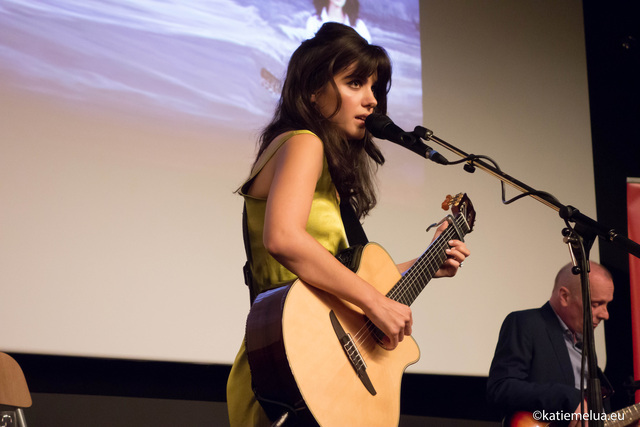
(461, 204)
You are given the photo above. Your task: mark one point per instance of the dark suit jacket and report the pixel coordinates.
(531, 369)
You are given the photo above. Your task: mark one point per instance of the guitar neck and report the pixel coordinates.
(624, 417)
(422, 271)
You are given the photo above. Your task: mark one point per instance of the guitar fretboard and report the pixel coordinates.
(422, 271)
(624, 417)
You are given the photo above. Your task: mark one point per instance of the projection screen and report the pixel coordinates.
(127, 125)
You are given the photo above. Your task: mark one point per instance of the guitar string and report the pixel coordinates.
(404, 287)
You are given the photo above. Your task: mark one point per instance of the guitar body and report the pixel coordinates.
(525, 419)
(296, 356)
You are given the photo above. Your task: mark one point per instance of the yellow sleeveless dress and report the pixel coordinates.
(325, 225)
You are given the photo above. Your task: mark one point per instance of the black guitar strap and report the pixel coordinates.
(352, 226)
(246, 270)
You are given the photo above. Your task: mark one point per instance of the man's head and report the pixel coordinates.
(566, 298)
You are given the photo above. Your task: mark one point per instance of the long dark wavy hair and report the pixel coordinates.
(352, 163)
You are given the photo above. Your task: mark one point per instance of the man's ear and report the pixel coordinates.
(564, 293)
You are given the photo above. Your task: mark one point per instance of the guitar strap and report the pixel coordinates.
(352, 226)
(246, 269)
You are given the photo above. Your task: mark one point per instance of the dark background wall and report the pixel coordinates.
(72, 391)
(613, 59)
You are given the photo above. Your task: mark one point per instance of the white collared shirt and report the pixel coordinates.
(573, 342)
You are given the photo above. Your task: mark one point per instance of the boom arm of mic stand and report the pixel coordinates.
(567, 213)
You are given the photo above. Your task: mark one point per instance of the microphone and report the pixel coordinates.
(382, 127)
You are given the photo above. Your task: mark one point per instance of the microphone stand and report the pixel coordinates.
(579, 243)
(579, 238)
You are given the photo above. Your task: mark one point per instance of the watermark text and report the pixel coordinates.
(573, 416)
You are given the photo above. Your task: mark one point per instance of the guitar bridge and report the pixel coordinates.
(353, 354)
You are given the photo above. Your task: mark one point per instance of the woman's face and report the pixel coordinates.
(358, 101)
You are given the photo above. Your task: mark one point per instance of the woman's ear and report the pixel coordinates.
(313, 98)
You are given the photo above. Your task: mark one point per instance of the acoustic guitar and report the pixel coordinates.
(318, 359)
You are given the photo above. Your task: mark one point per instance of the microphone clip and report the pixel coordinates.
(423, 149)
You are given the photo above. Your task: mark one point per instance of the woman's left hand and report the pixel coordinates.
(456, 254)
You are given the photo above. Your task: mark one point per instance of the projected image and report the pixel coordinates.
(218, 60)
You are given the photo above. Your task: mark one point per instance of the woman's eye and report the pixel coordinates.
(355, 83)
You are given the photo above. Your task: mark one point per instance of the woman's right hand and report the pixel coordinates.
(392, 318)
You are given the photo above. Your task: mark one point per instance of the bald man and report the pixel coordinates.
(536, 365)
